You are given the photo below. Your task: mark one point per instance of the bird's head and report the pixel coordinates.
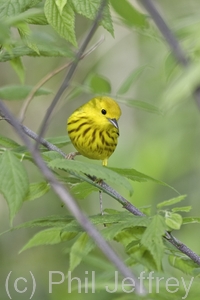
(106, 111)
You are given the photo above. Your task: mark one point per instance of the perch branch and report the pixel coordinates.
(67, 199)
(114, 194)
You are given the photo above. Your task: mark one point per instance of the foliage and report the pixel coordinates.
(140, 239)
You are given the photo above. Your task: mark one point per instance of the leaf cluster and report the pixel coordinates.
(59, 15)
(140, 236)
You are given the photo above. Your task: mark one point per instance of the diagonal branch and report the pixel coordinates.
(166, 32)
(114, 194)
(183, 60)
(70, 202)
(173, 43)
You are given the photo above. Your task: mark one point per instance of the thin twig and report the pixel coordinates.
(102, 185)
(72, 69)
(48, 77)
(70, 202)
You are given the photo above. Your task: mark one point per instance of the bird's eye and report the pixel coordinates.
(103, 111)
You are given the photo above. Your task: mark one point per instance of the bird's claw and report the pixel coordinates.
(71, 155)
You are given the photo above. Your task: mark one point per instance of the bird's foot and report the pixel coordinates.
(71, 155)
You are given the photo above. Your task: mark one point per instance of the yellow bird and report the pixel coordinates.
(93, 128)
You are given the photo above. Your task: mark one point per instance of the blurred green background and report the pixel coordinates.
(165, 146)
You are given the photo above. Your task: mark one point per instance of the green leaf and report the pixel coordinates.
(106, 20)
(171, 201)
(49, 221)
(82, 246)
(173, 220)
(138, 254)
(152, 239)
(82, 190)
(22, 154)
(143, 106)
(24, 30)
(123, 233)
(37, 19)
(25, 34)
(14, 183)
(126, 219)
(60, 4)
(49, 236)
(116, 232)
(50, 155)
(7, 142)
(129, 14)
(130, 80)
(182, 208)
(46, 48)
(59, 141)
(72, 227)
(64, 24)
(184, 264)
(135, 233)
(146, 209)
(67, 236)
(100, 84)
(89, 9)
(119, 222)
(111, 211)
(190, 220)
(91, 169)
(31, 16)
(20, 92)
(17, 65)
(37, 190)
(12, 7)
(125, 237)
(134, 175)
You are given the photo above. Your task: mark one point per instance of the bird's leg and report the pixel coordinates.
(71, 155)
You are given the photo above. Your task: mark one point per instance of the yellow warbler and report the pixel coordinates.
(93, 128)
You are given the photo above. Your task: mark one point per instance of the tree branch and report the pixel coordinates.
(166, 32)
(68, 200)
(114, 194)
(173, 43)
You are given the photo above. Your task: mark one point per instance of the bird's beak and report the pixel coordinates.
(114, 122)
